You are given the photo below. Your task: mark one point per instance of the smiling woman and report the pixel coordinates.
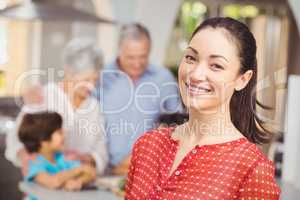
(227, 66)
(213, 155)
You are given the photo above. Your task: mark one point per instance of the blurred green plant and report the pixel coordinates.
(238, 11)
(174, 71)
(192, 13)
(122, 184)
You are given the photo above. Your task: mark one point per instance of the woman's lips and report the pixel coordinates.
(196, 90)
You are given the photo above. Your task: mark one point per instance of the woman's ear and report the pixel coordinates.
(243, 80)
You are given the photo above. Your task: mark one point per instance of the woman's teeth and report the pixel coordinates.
(197, 90)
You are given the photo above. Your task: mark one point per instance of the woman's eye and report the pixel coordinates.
(217, 67)
(189, 58)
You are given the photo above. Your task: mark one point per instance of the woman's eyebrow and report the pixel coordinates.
(194, 50)
(218, 56)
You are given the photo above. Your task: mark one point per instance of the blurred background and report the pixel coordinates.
(36, 41)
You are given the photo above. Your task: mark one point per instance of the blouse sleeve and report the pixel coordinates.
(130, 175)
(260, 183)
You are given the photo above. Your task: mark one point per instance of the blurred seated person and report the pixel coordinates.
(133, 94)
(71, 98)
(42, 133)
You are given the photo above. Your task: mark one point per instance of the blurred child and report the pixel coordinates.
(42, 133)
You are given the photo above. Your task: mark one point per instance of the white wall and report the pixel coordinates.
(291, 156)
(291, 161)
(158, 16)
(106, 33)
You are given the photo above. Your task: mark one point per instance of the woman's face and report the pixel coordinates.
(209, 71)
(84, 82)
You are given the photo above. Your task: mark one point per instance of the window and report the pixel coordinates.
(3, 37)
(191, 14)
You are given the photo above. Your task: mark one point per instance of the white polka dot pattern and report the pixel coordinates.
(226, 171)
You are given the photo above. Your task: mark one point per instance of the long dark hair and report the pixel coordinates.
(243, 103)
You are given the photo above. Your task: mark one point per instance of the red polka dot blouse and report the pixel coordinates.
(226, 171)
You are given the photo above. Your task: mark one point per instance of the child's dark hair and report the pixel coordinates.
(38, 127)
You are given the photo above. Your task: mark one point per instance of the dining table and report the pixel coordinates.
(42, 193)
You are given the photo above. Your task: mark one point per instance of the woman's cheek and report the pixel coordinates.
(184, 70)
(224, 90)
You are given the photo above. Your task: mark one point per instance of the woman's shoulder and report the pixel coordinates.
(259, 179)
(151, 145)
(90, 108)
(157, 136)
(252, 152)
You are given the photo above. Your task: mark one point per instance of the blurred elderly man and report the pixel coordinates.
(133, 94)
(72, 99)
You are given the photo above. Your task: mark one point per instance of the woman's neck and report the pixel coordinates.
(76, 101)
(68, 88)
(209, 127)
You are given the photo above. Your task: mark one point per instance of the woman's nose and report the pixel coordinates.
(199, 73)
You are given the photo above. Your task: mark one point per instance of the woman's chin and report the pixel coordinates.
(200, 105)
